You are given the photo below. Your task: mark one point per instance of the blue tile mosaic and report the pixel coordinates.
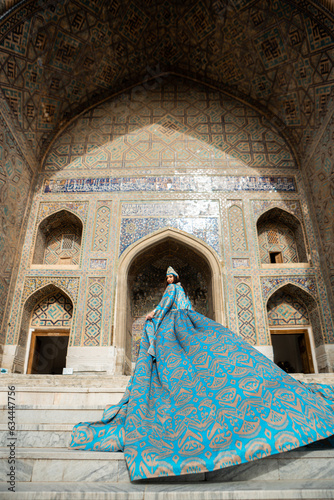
(204, 228)
(171, 184)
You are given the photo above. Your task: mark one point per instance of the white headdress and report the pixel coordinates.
(170, 270)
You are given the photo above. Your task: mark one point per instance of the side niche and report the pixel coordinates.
(281, 238)
(58, 240)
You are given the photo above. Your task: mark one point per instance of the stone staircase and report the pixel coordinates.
(48, 406)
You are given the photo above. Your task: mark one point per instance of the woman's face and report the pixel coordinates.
(170, 278)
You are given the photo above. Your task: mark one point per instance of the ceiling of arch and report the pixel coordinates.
(177, 124)
(59, 57)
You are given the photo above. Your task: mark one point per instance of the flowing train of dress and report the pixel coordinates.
(203, 399)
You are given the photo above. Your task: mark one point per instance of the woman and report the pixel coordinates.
(202, 399)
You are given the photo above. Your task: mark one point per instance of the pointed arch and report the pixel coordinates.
(294, 311)
(58, 239)
(140, 247)
(27, 309)
(281, 234)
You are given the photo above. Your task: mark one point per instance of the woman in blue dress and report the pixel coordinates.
(201, 399)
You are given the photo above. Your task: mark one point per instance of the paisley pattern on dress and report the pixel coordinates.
(202, 399)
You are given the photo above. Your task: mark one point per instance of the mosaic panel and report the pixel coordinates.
(70, 285)
(204, 228)
(101, 235)
(98, 264)
(170, 184)
(237, 263)
(291, 206)
(277, 238)
(171, 208)
(46, 209)
(284, 309)
(245, 310)
(237, 229)
(270, 284)
(94, 311)
(55, 310)
(63, 243)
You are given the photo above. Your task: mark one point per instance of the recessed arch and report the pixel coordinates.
(139, 248)
(293, 317)
(35, 298)
(58, 239)
(281, 237)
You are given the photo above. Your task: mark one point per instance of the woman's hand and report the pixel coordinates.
(150, 315)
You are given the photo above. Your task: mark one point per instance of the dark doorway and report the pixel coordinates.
(276, 257)
(48, 353)
(147, 282)
(292, 351)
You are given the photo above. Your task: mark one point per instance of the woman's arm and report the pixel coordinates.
(150, 315)
(165, 303)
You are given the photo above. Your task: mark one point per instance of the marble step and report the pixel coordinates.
(44, 414)
(39, 435)
(93, 380)
(252, 490)
(57, 395)
(35, 465)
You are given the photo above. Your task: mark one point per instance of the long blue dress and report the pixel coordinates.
(202, 399)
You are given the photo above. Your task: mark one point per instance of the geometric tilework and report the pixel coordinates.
(15, 179)
(285, 49)
(69, 285)
(63, 242)
(45, 209)
(170, 133)
(101, 236)
(286, 309)
(94, 311)
(178, 126)
(237, 229)
(245, 312)
(55, 310)
(204, 228)
(274, 237)
(290, 206)
(270, 284)
(320, 173)
(280, 231)
(292, 305)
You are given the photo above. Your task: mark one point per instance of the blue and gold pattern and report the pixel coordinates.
(205, 400)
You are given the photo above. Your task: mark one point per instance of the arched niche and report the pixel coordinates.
(58, 240)
(295, 328)
(281, 238)
(156, 250)
(46, 313)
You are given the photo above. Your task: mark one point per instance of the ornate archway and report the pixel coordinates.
(135, 257)
(48, 310)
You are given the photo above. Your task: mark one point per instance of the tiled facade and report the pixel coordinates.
(219, 205)
(226, 126)
(15, 184)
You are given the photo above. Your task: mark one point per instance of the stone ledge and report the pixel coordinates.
(55, 407)
(59, 389)
(93, 380)
(69, 453)
(254, 490)
(38, 427)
